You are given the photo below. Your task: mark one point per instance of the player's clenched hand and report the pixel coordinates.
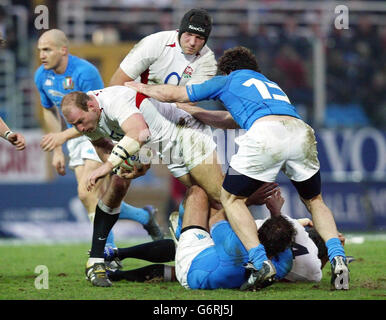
(260, 196)
(17, 140)
(51, 141)
(59, 162)
(97, 174)
(135, 173)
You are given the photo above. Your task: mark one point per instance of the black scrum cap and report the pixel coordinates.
(196, 21)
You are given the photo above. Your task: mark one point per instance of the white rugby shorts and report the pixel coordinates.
(194, 145)
(81, 149)
(270, 146)
(190, 244)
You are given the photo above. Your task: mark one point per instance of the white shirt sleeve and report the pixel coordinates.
(141, 56)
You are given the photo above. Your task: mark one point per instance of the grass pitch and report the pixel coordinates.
(66, 280)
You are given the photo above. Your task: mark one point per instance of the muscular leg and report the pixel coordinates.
(322, 217)
(144, 216)
(240, 218)
(106, 214)
(196, 208)
(89, 199)
(209, 177)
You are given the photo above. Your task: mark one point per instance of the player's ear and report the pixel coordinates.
(64, 50)
(90, 105)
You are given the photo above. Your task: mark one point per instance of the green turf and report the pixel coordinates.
(66, 263)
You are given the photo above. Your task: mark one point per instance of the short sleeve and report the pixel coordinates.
(44, 100)
(141, 56)
(210, 89)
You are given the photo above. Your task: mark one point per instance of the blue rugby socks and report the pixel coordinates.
(257, 256)
(133, 213)
(181, 211)
(334, 248)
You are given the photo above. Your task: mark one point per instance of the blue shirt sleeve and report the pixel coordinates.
(44, 99)
(90, 80)
(283, 263)
(210, 89)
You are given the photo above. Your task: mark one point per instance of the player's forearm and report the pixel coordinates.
(167, 93)
(51, 122)
(162, 92)
(3, 128)
(70, 133)
(214, 118)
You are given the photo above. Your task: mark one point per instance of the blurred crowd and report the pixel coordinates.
(355, 57)
(355, 63)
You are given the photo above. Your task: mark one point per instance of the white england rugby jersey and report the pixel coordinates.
(306, 265)
(164, 120)
(158, 59)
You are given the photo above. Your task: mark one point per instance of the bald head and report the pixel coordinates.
(56, 37)
(53, 48)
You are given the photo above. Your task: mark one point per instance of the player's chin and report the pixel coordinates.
(190, 51)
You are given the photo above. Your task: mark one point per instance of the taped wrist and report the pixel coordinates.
(125, 148)
(6, 134)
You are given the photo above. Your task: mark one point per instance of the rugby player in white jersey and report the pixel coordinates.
(175, 57)
(115, 114)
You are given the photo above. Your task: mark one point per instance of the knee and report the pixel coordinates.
(197, 192)
(83, 195)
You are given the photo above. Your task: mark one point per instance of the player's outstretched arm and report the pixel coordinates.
(161, 92)
(53, 140)
(215, 118)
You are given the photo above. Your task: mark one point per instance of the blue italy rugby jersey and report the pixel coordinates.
(80, 75)
(248, 95)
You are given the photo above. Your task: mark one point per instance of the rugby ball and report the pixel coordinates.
(143, 156)
(131, 162)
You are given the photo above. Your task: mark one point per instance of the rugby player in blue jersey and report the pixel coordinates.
(276, 139)
(59, 74)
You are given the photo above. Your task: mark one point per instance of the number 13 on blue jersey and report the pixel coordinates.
(264, 89)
